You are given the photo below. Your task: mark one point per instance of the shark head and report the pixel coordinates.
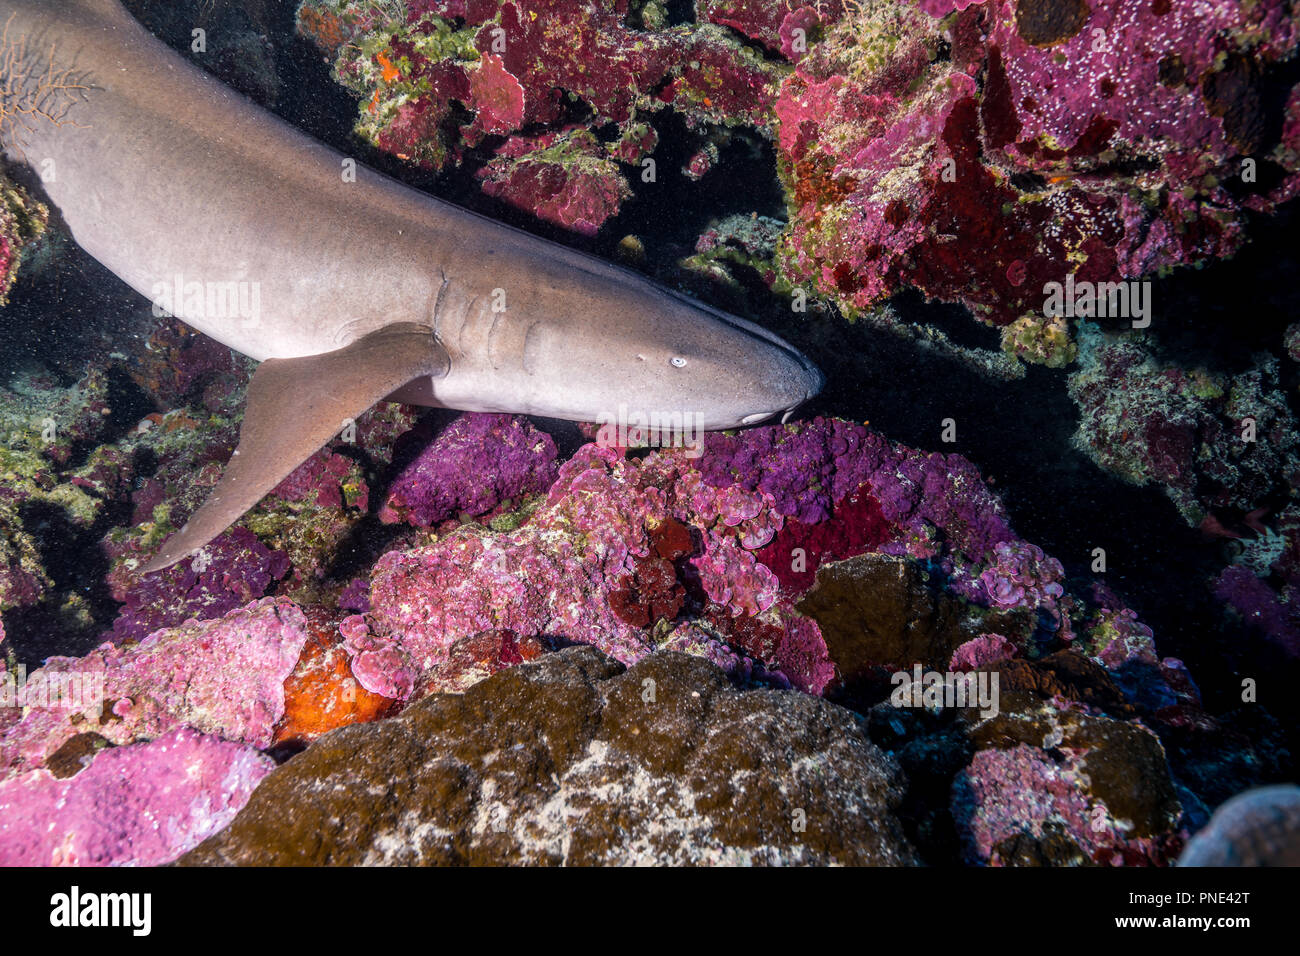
(714, 368)
(618, 348)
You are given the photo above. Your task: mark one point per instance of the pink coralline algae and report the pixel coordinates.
(1119, 638)
(982, 652)
(325, 480)
(138, 805)
(380, 667)
(547, 577)
(979, 156)
(794, 467)
(566, 178)
(625, 552)
(1005, 792)
(520, 70)
(772, 22)
(497, 97)
(732, 578)
(809, 471)
(1021, 574)
(473, 466)
(223, 677)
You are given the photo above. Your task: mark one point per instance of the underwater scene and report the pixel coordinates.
(626, 432)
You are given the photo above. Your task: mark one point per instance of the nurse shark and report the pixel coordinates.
(347, 286)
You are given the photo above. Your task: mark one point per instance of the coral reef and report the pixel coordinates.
(1223, 447)
(620, 547)
(800, 643)
(1108, 799)
(232, 570)
(1214, 443)
(224, 677)
(977, 151)
(420, 67)
(476, 465)
(756, 556)
(735, 557)
(58, 468)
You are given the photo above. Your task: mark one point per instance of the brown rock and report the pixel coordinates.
(1045, 23)
(1065, 673)
(879, 614)
(574, 760)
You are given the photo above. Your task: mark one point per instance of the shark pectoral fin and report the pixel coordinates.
(293, 407)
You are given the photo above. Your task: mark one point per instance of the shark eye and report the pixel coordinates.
(677, 362)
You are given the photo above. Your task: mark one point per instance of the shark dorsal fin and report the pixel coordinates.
(293, 407)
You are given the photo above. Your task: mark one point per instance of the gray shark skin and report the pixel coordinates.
(365, 289)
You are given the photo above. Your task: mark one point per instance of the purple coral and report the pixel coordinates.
(793, 466)
(1020, 575)
(808, 469)
(983, 652)
(228, 572)
(1260, 607)
(732, 577)
(477, 463)
(567, 571)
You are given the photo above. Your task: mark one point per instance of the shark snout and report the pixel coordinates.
(813, 382)
(797, 381)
